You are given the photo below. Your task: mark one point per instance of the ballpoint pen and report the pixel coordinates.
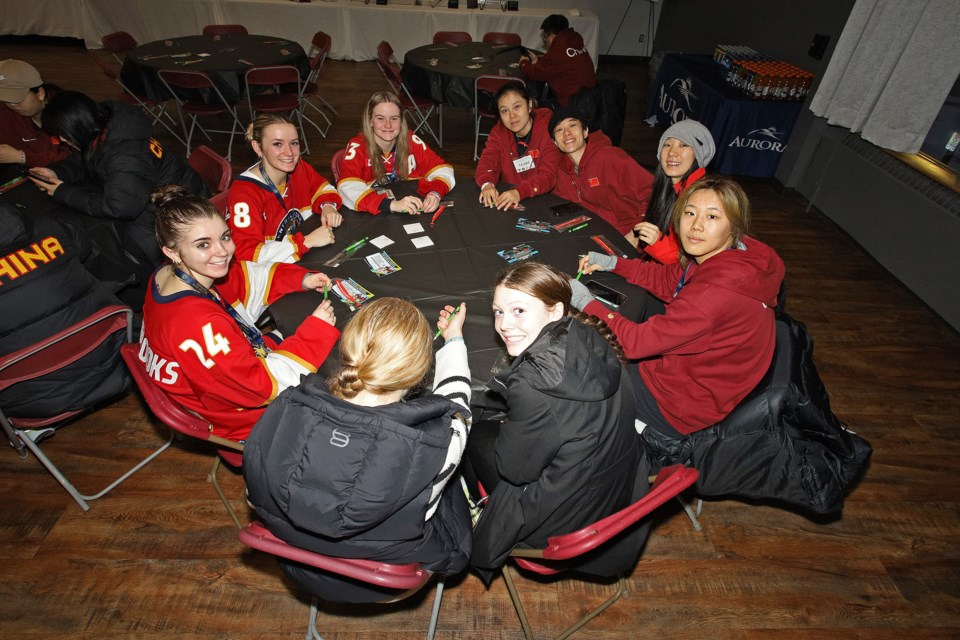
(326, 289)
(577, 228)
(579, 273)
(356, 245)
(439, 331)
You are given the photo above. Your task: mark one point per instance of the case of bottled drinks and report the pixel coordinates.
(761, 76)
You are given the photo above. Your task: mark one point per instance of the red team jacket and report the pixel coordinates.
(39, 147)
(666, 250)
(196, 352)
(608, 182)
(496, 161)
(254, 213)
(356, 175)
(715, 341)
(566, 66)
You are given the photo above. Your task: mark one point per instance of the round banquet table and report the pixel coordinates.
(224, 58)
(460, 266)
(450, 79)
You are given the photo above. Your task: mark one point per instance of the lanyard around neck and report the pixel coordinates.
(293, 218)
(253, 335)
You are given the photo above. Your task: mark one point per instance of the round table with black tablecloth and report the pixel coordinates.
(224, 58)
(450, 79)
(460, 267)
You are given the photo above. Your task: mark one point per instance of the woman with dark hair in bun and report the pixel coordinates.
(115, 167)
(566, 453)
(199, 339)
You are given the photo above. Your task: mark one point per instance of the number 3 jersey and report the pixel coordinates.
(196, 352)
(256, 217)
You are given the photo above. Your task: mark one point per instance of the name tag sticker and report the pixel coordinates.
(523, 164)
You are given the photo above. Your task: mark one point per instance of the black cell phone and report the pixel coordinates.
(605, 294)
(567, 208)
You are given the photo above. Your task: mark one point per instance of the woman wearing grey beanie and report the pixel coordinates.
(684, 152)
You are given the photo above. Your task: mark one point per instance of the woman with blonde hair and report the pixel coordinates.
(386, 151)
(268, 202)
(359, 466)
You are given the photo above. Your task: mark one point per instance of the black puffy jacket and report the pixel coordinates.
(116, 178)
(567, 454)
(53, 293)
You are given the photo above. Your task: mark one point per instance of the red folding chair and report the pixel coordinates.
(155, 109)
(406, 579)
(180, 420)
(550, 560)
(488, 85)
(283, 94)
(224, 30)
(320, 47)
(193, 85)
(212, 167)
(220, 201)
(52, 354)
(502, 37)
(335, 164)
(452, 37)
(118, 43)
(418, 107)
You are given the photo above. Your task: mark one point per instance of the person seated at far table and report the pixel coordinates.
(115, 167)
(24, 95)
(684, 152)
(715, 342)
(45, 288)
(601, 177)
(387, 151)
(519, 151)
(268, 202)
(200, 342)
(566, 66)
(388, 490)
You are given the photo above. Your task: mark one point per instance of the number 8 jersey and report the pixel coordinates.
(196, 352)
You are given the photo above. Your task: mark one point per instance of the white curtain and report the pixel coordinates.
(892, 69)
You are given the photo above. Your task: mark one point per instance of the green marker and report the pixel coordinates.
(437, 334)
(577, 228)
(579, 273)
(326, 288)
(356, 245)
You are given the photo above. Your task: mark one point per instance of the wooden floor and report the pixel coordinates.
(159, 558)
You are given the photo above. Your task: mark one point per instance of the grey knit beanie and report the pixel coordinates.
(694, 134)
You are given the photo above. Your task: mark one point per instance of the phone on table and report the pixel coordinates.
(567, 208)
(605, 294)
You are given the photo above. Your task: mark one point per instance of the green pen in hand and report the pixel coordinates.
(326, 289)
(439, 331)
(579, 273)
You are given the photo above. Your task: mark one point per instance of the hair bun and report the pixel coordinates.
(166, 193)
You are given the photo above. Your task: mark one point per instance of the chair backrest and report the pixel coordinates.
(384, 52)
(669, 483)
(455, 37)
(212, 167)
(64, 347)
(402, 577)
(272, 76)
(502, 37)
(186, 79)
(335, 164)
(117, 43)
(490, 85)
(394, 79)
(220, 201)
(224, 29)
(108, 71)
(321, 42)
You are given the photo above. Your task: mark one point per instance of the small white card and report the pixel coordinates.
(422, 241)
(411, 229)
(381, 241)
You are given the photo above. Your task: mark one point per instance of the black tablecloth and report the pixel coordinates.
(750, 135)
(224, 58)
(461, 266)
(450, 80)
